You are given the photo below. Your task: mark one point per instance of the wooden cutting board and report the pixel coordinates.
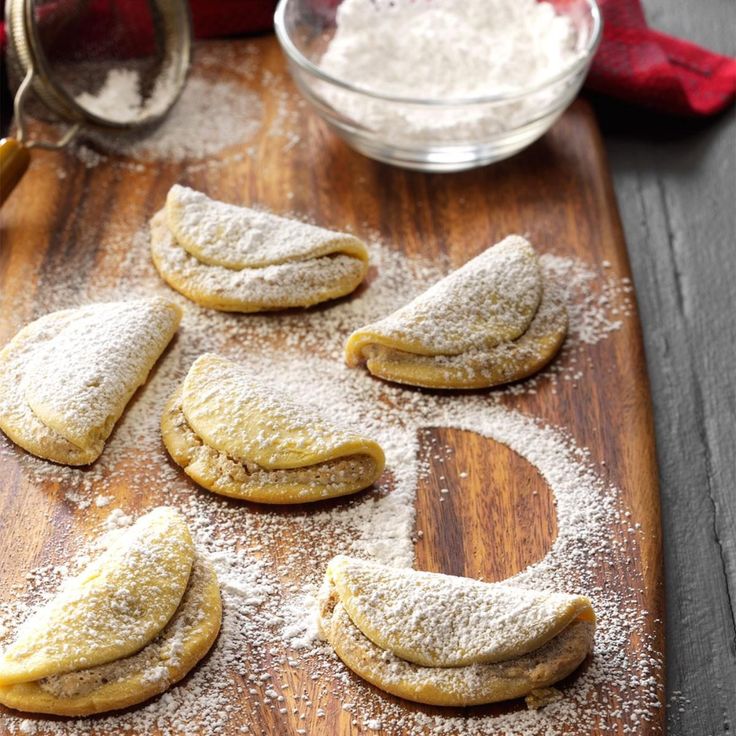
(56, 234)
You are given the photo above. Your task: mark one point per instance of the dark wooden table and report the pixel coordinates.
(676, 187)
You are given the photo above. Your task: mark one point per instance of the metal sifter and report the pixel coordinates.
(104, 64)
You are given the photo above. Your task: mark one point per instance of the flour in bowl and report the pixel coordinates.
(441, 50)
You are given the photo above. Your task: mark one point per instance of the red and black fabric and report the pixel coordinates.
(639, 65)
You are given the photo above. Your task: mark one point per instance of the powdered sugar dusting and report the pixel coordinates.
(276, 286)
(117, 605)
(445, 620)
(270, 562)
(76, 380)
(442, 50)
(222, 234)
(251, 422)
(241, 259)
(489, 300)
(196, 127)
(218, 113)
(267, 646)
(118, 99)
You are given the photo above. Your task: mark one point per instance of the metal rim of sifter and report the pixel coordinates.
(25, 45)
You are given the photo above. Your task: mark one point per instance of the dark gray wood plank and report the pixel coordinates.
(676, 185)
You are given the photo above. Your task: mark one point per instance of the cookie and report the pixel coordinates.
(66, 378)
(494, 320)
(446, 640)
(235, 436)
(242, 260)
(130, 624)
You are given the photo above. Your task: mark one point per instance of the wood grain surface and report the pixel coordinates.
(558, 192)
(676, 185)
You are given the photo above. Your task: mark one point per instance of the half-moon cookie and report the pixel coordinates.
(238, 259)
(494, 320)
(66, 378)
(234, 436)
(134, 621)
(446, 640)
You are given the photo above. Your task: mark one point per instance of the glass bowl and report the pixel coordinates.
(494, 126)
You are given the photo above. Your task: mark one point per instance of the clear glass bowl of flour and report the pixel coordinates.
(439, 85)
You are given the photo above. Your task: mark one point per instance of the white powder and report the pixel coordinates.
(219, 119)
(443, 49)
(208, 118)
(303, 614)
(119, 98)
(155, 674)
(461, 620)
(116, 520)
(80, 501)
(271, 561)
(78, 378)
(490, 299)
(244, 259)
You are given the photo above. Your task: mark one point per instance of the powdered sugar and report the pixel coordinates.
(211, 117)
(66, 378)
(241, 259)
(442, 50)
(489, 300)
(222, 234)
(276, 286)
(239, 415)
(79, 378)
(196, 127)
(117, 604)
(119, 98)
(267, 641)
(444, 620)
(302, 614)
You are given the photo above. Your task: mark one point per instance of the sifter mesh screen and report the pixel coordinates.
(115, 59)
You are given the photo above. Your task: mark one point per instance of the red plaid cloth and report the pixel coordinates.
(634, 63)
(642, 66)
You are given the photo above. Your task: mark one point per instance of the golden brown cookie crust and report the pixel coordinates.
(507, 362)
(219, 473)
(290, 284)
(495, 320)
(50, 404)
(458, 686)
(181, 645)
(447, 640)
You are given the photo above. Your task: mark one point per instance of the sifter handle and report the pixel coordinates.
(14, 160)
